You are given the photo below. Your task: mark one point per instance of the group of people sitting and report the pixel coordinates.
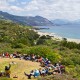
(13, 55)
(47, 67)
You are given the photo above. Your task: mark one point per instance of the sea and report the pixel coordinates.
(65, 31)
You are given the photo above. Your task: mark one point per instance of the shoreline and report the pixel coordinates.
(56, 37)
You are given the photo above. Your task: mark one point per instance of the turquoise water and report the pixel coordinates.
(67, 31)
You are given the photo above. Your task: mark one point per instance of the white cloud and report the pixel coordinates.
(15, 8)
(5, 5)
(23, 3)
(52, 9)
(11, 0)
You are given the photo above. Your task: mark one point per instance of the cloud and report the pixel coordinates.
(11, 0)
(23, 3)
(51, 9)
(15, 8)
(5, 5)
(68, 9)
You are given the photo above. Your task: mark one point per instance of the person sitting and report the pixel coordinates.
(62, 68)
(3, 55)
(14, 55)
(40, 59)
(29, 75)
(47, 62)
(7, 71)
(43, 72)
(2, 74)
(36, 73)
(55, 68)
(7, 55)
(42, 64)
(33, 57)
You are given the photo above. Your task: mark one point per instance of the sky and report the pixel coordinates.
(51, 9)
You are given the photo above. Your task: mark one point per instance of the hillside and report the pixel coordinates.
(16, 35)
(21, 39)
(26, 20)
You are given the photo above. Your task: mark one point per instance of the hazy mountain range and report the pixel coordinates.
(65, 22)
(36, 21)
(26, 20)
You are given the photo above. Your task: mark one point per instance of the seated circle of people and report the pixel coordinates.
(47, 68)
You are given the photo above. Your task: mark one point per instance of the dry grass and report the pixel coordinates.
(19, 68)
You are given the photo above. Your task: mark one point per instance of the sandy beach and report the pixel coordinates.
(56, 37)
(73, 40)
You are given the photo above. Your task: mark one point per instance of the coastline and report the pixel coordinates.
(73, 40)
(56, 37)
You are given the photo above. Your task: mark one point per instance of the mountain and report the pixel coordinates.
(26, 20)
(76, 22)
(60, 22)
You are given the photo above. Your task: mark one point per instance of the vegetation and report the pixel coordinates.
(58, 77)
(70, 45)
(15, 37)
(5, 78)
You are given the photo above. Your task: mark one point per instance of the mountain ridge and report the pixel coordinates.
(26, 20)
(65, 22)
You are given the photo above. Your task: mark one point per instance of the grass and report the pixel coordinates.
(5, 78)
(19, 68)
(58, 77)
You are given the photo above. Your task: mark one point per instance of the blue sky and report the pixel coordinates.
(51, 9)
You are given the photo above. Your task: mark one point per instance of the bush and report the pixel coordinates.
(76, 59)
(67, 61)
(18, 45)
(41, 41)
(43, 37)
(45, 52)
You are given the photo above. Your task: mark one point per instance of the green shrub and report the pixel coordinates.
(43, 37)
(67, 61)
(76, 59)
(18, 45)
(45, 52)
(41, 41)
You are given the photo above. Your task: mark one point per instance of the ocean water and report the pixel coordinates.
(66, 31)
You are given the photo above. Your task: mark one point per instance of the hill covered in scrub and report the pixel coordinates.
(26, 20)
(15, 37)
